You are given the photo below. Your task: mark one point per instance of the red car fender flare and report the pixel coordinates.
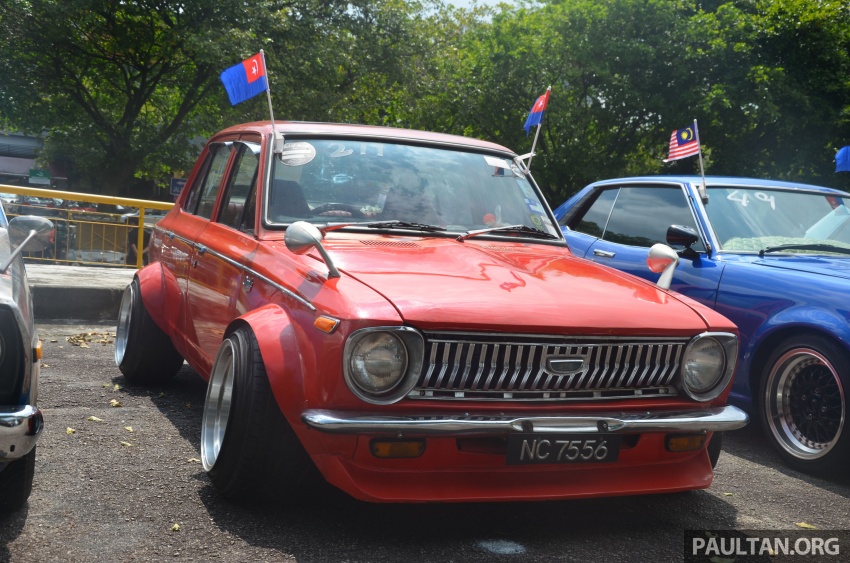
(279, 347)
(161, 296)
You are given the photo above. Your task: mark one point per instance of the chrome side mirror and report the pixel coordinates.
(30, 233)
(301, 236)
(663, 260)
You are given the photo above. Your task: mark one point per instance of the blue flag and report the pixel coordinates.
(536, 115)
(245, 80)
(842, 160)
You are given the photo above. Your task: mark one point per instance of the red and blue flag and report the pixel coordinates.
(536, 115)
(245, 80)
(683, 143)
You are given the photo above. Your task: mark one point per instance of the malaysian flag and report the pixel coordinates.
(683, 143)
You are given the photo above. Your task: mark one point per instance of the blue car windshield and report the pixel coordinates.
(751, 219)
(393, 184)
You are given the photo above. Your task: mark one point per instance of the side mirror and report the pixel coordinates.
(663, 260)
(680, 235)
(30, 233)
(301, 236)
(20, 229)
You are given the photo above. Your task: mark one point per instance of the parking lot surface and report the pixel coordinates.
(118, 478)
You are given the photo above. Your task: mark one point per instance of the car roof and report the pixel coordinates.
(345, 130)
(724, 181)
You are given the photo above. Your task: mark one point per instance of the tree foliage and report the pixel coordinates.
(122, 88)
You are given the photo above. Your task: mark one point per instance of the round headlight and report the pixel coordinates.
(378, 363)
(708, 365)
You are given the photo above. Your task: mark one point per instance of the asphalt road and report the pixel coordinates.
(128, 486)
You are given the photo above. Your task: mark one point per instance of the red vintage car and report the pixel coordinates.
(399, 310)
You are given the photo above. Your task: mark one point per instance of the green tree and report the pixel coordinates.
(122, 88)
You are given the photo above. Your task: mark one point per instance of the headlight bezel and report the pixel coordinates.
(728, 344)
(409, 340)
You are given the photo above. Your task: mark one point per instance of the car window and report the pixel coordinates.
(641, 215)
(327, 180)
(242, 180)
(752, 218)
(593, 221)
(202, 195)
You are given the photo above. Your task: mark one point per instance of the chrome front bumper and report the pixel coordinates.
(19, 430)
(708, 420)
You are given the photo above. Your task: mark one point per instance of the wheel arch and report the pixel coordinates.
(279, 348)
(769, 340)
(160, 292)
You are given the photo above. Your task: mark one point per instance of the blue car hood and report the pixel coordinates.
(838, 266)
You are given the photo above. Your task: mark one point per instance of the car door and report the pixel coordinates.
(619, 224)
(223, 250)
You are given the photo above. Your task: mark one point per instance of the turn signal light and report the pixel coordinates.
(326, 324)
(684, 442)
(37, 352)
(397, 448)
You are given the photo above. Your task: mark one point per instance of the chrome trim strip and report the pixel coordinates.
(245, 270)
(719, 419)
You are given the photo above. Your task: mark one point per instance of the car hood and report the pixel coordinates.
(838, 266)
(439, 282)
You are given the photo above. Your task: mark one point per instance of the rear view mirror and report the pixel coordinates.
(663, 260)
(680, 235)
(30, 233)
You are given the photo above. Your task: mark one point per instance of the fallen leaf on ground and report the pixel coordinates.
(805, 526)
(115, 403)
(727, 494)
(193, 460)
(116, 387)
(69, 430)
(175, 528)
(94, 419)
(127, 444)
(128, 428)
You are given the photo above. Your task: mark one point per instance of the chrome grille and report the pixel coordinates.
(473, 366)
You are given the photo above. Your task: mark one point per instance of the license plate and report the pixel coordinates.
(562, 448)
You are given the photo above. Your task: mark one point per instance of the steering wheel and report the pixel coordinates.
(327, 208)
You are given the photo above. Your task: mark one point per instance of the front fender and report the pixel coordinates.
(278, 342)
(790, 321)
(162, 296)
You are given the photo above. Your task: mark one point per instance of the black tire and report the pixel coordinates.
(715, 445)
(248, 449)
(16, 482)
(803, 404)
(143, 352)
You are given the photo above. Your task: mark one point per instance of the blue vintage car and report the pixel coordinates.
(20, 351)
(773, 257)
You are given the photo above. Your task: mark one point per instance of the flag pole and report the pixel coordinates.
(536, 133)
(703, 193)
(278, 141)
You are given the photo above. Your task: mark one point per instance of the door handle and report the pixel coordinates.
(603, 253)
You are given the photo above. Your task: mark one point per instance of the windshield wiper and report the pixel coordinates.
(405, 225)
(522, 229)
(820, 247)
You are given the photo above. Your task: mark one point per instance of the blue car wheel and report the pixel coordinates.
(804, 404)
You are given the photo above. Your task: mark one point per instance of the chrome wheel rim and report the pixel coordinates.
(122, 332)
(217, 404)
(805, 404)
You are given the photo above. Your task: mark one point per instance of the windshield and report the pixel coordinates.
(326, 181)
(752, 219)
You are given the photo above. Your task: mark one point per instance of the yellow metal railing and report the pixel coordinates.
(84, 235)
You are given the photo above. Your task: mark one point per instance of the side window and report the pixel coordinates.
(240, 185)
(207, 189)
(594, 220)
(641, 215)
